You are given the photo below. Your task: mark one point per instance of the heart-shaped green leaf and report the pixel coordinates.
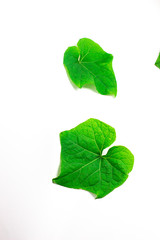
(82, 164)
(157, 63)
(88, 63)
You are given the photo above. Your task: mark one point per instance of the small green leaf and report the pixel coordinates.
(87, 64)
(157, 63)
(82, 164)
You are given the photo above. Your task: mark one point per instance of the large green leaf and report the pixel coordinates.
(157, 63)
(88, 63)
(82, 164)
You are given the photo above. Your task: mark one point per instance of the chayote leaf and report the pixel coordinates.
(87, 63)
(157, 63)
(82, 164)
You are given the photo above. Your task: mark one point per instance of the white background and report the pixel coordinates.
(37, 102)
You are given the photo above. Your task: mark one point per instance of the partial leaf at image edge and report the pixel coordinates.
(157, 63)
(87, 63)
(82, 164)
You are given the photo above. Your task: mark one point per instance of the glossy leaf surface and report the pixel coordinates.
(87, 63)
(82, 164)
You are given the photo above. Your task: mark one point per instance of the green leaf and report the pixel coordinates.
(157, 63)
(87, 64)
(82, 164)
